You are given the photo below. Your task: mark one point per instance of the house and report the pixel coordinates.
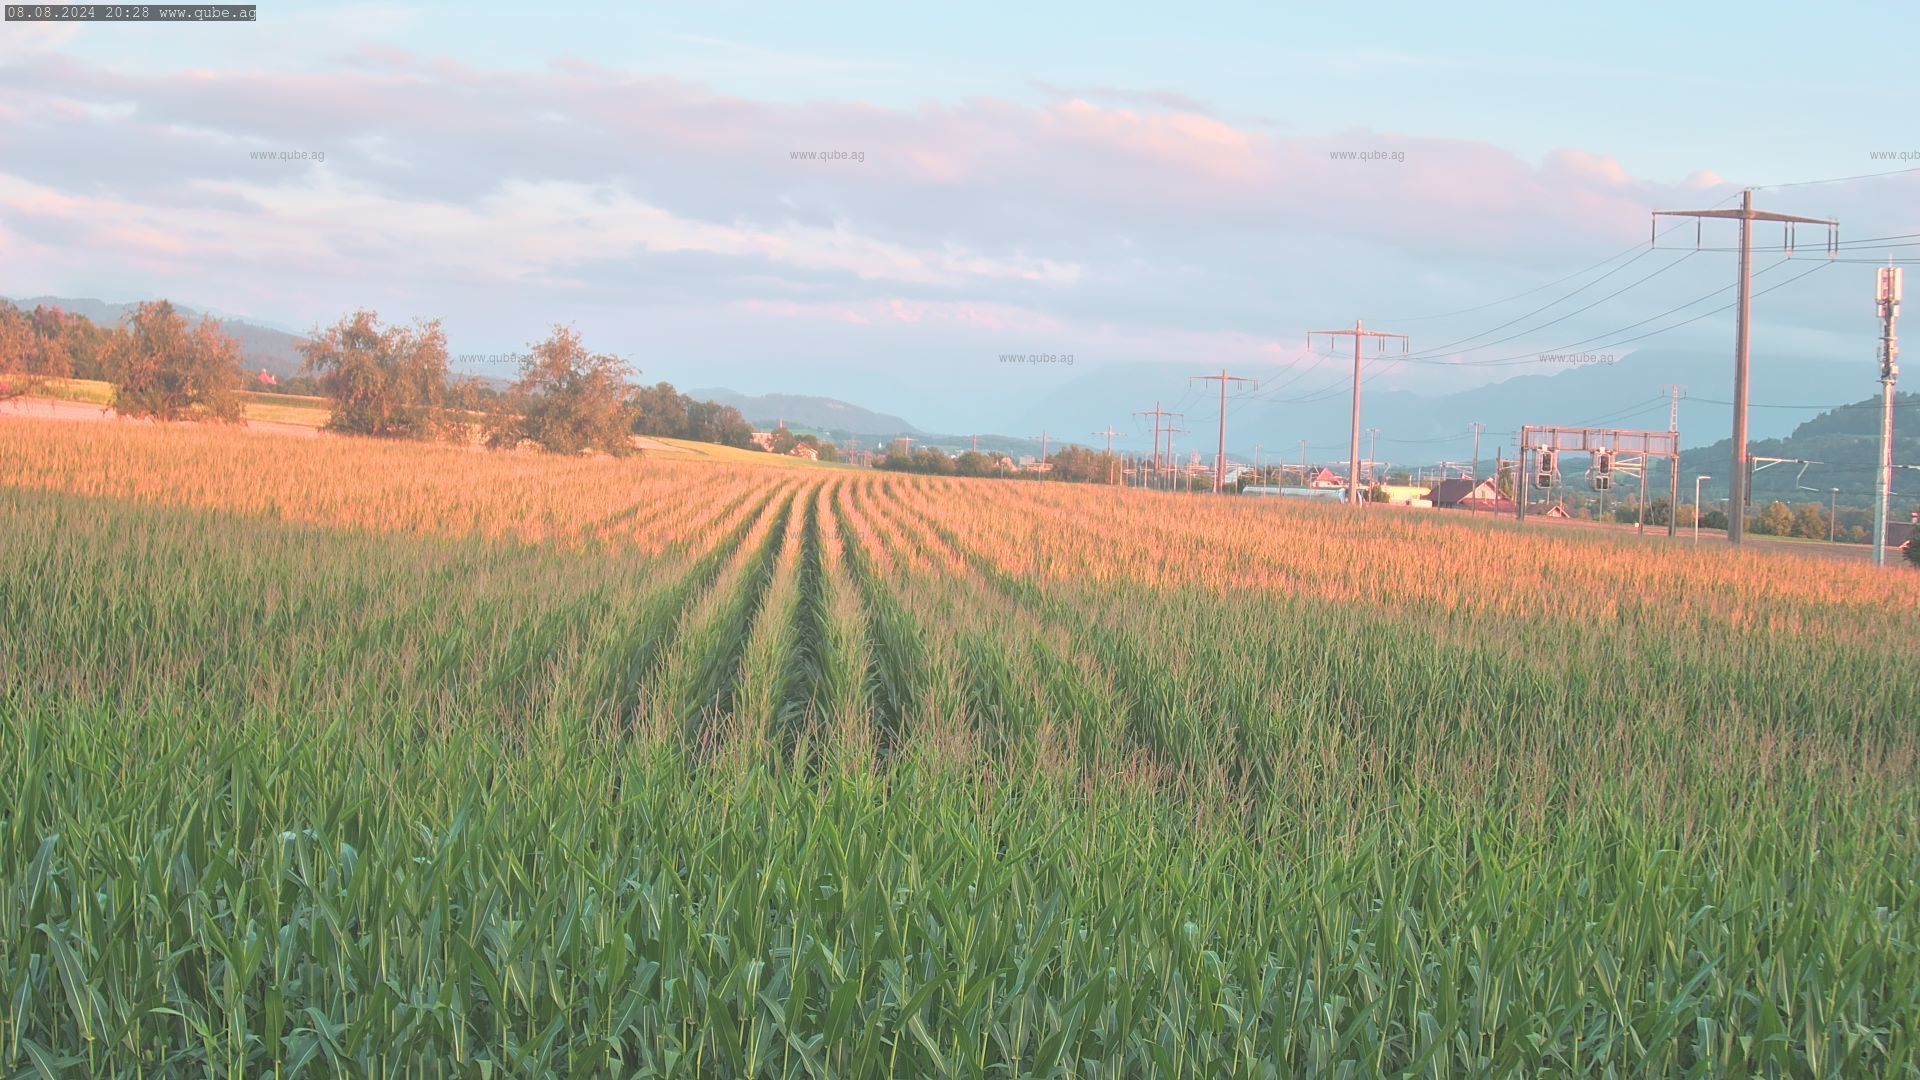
(1326, 478)
(1467, 494)
(806, 452)
(763, 440)
(1451, 493)
(1556, 511)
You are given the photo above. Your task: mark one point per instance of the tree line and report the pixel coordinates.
(382, 381)
(1073, 464)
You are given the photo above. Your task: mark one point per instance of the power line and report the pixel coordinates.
(1576, 311)
(1534, 357)
(1908, 404)
(1557, 281)
(1836, 179)
(1529, 292)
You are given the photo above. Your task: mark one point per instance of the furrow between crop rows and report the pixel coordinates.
(694, 682)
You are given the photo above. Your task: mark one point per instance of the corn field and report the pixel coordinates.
(327, 756)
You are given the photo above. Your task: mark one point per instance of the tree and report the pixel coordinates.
(924, 460)
(1713, 519)
(1079, 465)
(568, 401)
(1913, 552)
(162, 369)
(83, 343)
(659, 411)
(1775, 520)
(1810, 521)
(16, 350)
(50, 357)
(666, 413)
(708, 421)
(975, 463)
(388, 382)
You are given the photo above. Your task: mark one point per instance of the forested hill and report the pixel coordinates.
(1843, 440)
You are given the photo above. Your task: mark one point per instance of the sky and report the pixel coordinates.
(1124, 185)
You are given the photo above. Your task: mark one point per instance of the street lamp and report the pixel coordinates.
(1696, 507)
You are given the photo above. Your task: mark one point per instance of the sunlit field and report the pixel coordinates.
(330, 755)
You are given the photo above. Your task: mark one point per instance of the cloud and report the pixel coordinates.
(1135, 221)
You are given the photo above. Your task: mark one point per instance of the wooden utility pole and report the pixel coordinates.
(1109, 433)
(1743, 332)
(1158, 415)
(1220, 460)
(1358, 333)
(1478, 427)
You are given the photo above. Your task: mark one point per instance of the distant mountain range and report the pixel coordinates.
(1424, 429)
(804, 411)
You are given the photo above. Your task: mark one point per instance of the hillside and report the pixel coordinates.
(806, 411)
(1844, 441)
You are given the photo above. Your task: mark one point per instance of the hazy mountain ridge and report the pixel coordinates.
(1421, 428)
(807, 411)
